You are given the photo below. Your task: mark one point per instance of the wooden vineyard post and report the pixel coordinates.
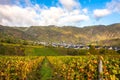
(100, 68)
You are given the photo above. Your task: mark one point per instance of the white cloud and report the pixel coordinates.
(114, 6)
(51, 16)
(16, 15)
(85, 10)
(69, 4)
(13, 15)
(98, 13)
(60, 16)
(74, 12)
(74, 18)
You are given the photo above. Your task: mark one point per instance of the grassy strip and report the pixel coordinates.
(46, 71)
(43, 51)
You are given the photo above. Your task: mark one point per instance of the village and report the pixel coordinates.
(78, 46)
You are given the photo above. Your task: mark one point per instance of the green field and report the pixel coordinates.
(29, 50)
(41, 52)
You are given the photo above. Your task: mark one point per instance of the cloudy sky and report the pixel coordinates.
(59, 12)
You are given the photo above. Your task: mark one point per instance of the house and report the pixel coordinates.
(117, 48)
(98, 47)
(108, 47)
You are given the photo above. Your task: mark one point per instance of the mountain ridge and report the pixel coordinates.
(97, 34)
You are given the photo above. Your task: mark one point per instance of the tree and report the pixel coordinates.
(118, 51)
(92, 50)
(25, 42)
(2, 49)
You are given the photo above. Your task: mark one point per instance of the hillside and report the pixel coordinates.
(13, 33)
(98, 34)
(90, 34)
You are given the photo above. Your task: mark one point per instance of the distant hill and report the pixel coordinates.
(13, 33)
(85, 35)
(98, 34)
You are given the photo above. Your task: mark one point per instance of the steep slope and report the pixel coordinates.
(111, 42)
(11, 32)
(90, 34)
(98, 34)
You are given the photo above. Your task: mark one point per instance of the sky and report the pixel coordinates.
(77, 13)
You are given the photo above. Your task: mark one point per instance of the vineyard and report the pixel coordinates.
(62, 67)
(85, 67)
(18, 68)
